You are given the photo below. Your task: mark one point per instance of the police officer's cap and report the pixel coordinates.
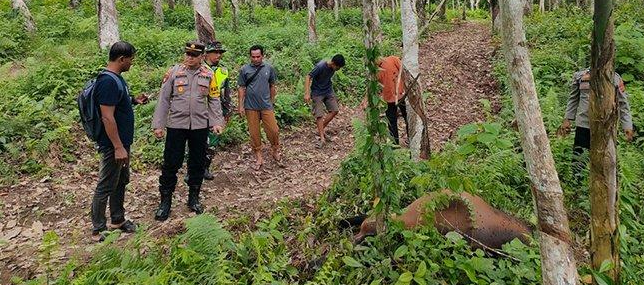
(195, 47)
(215, 46)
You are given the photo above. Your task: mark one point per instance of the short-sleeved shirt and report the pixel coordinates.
(389, 77)
(258, 92)
(321, 79)
(108, 94)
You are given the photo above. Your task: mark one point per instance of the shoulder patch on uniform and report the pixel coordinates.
(585, 76)
(621, 86)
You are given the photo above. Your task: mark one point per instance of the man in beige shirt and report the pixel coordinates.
(187, 108)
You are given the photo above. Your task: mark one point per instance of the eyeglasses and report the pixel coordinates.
(192, 54)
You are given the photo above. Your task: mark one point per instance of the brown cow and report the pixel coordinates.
(489, 228)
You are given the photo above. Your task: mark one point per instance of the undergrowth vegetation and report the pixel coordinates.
(296, 245)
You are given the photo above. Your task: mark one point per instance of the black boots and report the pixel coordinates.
(164, 207)
(193, 199)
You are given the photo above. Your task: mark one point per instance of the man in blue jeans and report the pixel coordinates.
(114, 142)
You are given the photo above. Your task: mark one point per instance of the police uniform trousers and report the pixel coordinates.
(173, 155)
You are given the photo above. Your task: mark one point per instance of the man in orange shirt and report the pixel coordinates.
(393, 89)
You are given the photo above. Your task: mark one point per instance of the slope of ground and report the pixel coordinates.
(456, 68)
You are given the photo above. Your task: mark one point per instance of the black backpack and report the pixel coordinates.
(88, 109)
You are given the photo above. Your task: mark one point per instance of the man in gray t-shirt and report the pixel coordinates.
(318, 87)
(256, 98)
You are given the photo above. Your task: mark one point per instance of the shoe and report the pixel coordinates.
(207, 175)
(193, 199)
(126, 227)
(98, 236)
(163, 212)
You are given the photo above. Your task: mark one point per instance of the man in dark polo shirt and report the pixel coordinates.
(114, 142)
(318, 87)
(256, 98)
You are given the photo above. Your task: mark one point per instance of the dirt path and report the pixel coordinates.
(457, 74)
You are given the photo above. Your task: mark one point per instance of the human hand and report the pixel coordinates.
(240, 110)
(217, 129)
(307, 98)
(159, 133)
(120, 155)
(142, 99)
(564, 129)
(629, 134)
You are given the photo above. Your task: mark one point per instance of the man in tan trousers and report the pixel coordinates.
(256, 98)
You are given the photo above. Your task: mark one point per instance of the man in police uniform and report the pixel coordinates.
(188, 109)
(577, 109)
(220, 87)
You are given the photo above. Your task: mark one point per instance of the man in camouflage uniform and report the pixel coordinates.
(577, 109)
(188, 109)
(220, 87)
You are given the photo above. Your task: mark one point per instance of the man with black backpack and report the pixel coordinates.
(256, 99)
(113, 138)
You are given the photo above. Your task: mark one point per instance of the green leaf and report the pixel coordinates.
(405, 277)
(466, 149)
(503, 143)
(350, 261)
(454, 236)
(400, 252)
(628, 77)
(601, 279)
(606, 265)
(467, 130)
(376, 282)
(420, 281)
(422, 269)
(493, 128)
(486, 137)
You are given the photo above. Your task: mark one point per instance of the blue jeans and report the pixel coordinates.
(112, 179)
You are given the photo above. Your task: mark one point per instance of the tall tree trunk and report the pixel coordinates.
(441, 12)
(313, 37)
(494, 9)
(219, 8)
(108, 25)
(527, 7)
(203, 21)
(555, 4)
(418, 127)
(336, 9)
(235, 9)
(557, 259)
(171, 4)
(604, 190)
(74, 3)
(542, 6)
(372, 23)
(421, 10)
(21, 7)
(158, 11)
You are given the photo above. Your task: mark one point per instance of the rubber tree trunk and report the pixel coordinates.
(313, 37)
(235, 9)
(21, 7)
(219, 8)
(203, 21)
(373, 33)
(336, 9)
(421, 10)
(74, 3)
(108, 26)
(494, 9)
(171, 4)
(158, 11)
(419, 150)
(557, 259)
(604, 190)
(441, 12)
(542, 6)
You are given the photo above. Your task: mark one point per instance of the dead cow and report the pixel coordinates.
(482, 225)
